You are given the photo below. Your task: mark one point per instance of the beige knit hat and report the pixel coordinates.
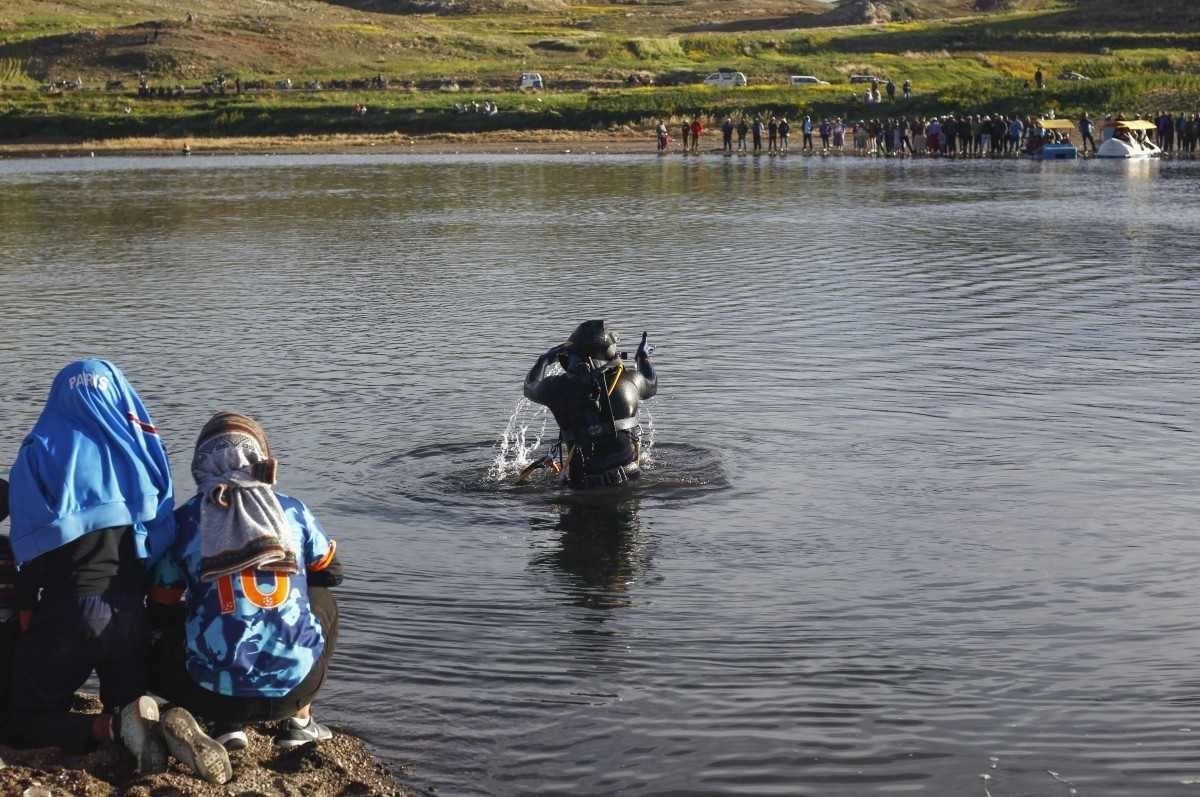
(224, 422)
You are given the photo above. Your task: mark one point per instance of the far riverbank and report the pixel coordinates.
(619, 141)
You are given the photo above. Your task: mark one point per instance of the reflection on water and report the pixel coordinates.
(600, 550)
(921, 505)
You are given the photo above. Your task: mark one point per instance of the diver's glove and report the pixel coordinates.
(644, 351)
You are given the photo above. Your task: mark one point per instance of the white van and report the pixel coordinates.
(531, 80)
(724, 78)
(806, 80)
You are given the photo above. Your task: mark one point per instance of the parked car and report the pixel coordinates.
(806, 80)
(725, 78)
(1073, 76)
(531, 80)
(866, 79)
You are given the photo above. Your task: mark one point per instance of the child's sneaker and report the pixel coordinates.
(231, 736)
(141, 733)
(297, 732)
(190, 745)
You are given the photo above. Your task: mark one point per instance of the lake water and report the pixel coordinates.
(922, 511)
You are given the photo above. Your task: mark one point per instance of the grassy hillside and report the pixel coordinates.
(958, 56)
(493, 40)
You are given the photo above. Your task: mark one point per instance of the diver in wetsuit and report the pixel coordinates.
(595, 403)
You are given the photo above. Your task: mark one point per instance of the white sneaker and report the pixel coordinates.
(231, 737)
(141, 734)
(188, 742)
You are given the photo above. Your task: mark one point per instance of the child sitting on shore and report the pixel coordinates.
(255, 567)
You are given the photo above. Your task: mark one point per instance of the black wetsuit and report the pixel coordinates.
(602, 445)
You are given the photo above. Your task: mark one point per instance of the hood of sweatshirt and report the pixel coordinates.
(94, 460)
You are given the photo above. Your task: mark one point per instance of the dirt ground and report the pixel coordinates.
(340, 767)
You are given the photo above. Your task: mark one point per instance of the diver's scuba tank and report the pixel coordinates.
(606, 436)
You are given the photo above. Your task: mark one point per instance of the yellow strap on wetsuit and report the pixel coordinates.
(617, 378)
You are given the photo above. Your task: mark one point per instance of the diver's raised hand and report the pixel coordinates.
(642, 351)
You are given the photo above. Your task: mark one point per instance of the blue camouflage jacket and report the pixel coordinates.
(252, 634)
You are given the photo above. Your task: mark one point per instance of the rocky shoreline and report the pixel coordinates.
(340, 767)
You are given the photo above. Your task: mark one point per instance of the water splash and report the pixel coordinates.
(647, 440)
(514, 450)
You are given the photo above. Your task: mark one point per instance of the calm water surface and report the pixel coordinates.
(923, 501)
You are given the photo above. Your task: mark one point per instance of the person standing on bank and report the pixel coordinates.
(251, 568)
(1087, 129)
(91, 501)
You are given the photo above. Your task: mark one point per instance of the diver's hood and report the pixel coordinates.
(592, 339)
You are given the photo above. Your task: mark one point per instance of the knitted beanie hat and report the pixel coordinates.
(224, 422)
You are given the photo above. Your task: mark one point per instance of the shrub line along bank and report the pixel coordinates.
(86, 115)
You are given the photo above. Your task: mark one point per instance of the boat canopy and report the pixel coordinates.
(1056, 124)
(1132, 124)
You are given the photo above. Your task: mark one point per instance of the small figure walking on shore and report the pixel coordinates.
(686, 131)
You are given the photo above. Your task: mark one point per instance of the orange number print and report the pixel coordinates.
(252, 592)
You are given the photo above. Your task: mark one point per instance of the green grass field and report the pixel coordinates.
(1140, 58)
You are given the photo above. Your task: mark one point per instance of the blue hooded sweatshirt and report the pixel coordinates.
(93, 461)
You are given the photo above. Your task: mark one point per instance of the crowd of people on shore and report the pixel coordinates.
(1177, 133)
(221, 608)
(950, 135)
